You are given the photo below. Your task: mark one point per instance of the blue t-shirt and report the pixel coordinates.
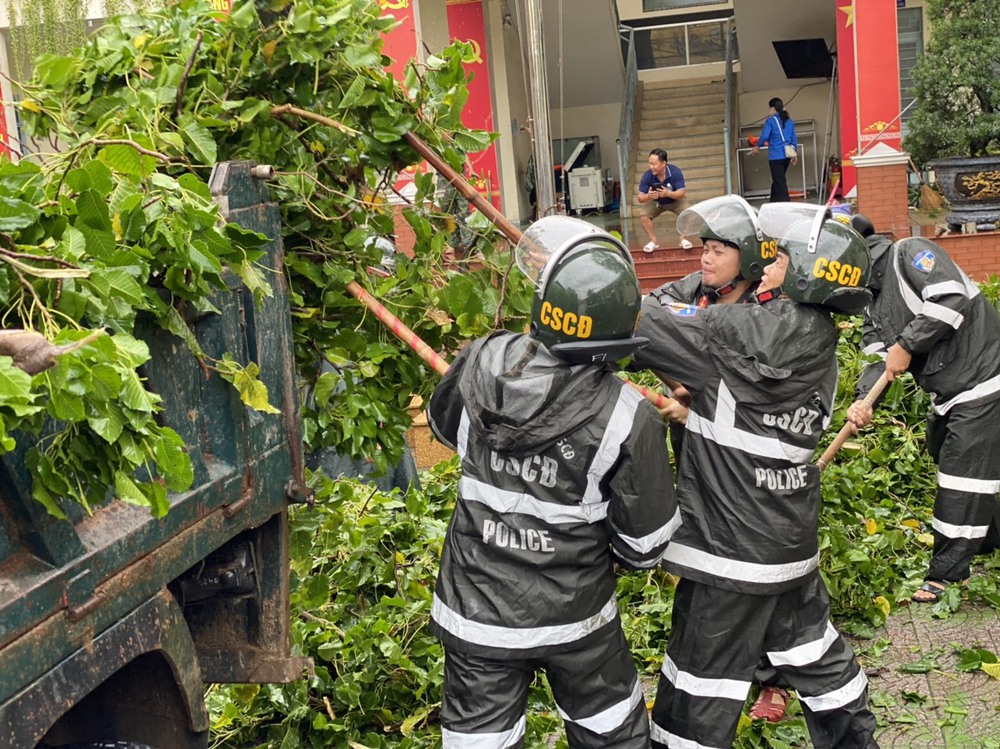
(673, 179)
(772, 135)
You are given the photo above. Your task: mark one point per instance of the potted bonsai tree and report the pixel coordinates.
(955, 127)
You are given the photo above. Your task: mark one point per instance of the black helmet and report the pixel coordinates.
(828, 264)
(862, 225)
(731, 220)
(877, 244)
(586, 304)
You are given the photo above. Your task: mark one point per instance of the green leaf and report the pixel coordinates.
(128, 491)
(172, 139)
(93, 211)
(173, 461)
(126, 160)
(15, 389)
(361, 55)
(100, 176)
(254, 280)
(992, 669)
(252, 391)
(134, 395)
(108, 424)
(115, 282)
(16, 214)
(353, 93)
(200, 142)
(132, 351)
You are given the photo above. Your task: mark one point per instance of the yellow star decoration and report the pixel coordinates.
(848, 10)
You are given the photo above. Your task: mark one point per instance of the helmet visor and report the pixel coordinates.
(727, 216)
(777, 218)
(796, 238)
(554, 236)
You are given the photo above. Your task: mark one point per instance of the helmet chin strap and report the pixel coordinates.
(763, 297)
(714, 295)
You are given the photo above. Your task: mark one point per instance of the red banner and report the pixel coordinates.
(401, 43)
(465, 23)
(869, 102)
(848, 95)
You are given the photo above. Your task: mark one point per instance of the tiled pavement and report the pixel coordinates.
(943, 708)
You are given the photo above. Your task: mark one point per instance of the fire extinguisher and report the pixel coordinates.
(832, 175)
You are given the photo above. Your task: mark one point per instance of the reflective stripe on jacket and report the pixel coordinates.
(936, 312)
(565, 470)
(762, 381)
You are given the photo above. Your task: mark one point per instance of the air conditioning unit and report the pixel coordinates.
(588, 188)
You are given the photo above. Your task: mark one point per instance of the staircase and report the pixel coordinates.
(687, 120)
(664, 265)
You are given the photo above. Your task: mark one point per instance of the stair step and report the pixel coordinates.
(684, 88)
(711, 154)
(649, 139)
(670, 261)
(664, 102)
(687, 120)
(706, 153)
(695, 122)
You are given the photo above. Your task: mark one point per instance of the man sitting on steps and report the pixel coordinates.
(661, 189)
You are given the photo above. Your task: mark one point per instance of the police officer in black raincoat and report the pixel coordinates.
(763, 379)
(929, 318)
(565, 472)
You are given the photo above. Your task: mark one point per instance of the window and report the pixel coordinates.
(651, 5)
(910, 26)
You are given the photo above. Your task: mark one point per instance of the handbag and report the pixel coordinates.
(790, 150)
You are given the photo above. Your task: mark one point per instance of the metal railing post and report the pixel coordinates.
(626, 126)
(728, 122)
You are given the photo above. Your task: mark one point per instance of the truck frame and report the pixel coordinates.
(112, 623)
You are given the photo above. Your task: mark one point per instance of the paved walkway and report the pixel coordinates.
(943, 708)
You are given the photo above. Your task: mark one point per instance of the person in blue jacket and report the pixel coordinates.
(778, 134)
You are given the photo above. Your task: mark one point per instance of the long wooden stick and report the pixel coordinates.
(400, 330)
(470, 193)
(435, 360)
(847, 430)
(504, 224)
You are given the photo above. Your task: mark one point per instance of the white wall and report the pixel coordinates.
(431, 21)
(810, 103)
(601, 120)
(510, 112)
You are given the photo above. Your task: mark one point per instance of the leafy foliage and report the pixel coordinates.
(118, 221)
(374, 557)
(364, 569)
(956, 84)
(253, 82)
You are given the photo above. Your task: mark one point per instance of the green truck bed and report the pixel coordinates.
(111, 624)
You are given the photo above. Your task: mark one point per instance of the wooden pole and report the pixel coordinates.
(435, 360)
(847, 430)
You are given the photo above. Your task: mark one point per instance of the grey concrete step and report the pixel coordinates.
(667, 101)
(682, 120)
(676, 141)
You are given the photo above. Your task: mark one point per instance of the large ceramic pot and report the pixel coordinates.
(972, 187)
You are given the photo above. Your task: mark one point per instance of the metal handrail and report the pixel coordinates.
(626, 126)
(728, 122)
